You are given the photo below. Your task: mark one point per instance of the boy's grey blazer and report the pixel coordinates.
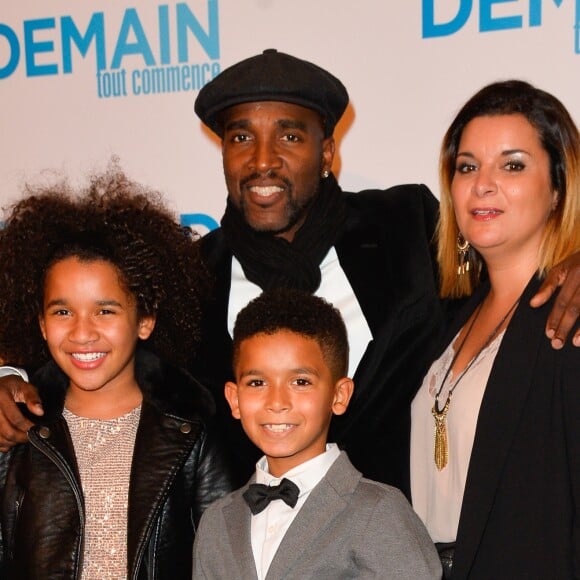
(349, 527)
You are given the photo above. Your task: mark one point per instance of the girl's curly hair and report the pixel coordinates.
(115, 219)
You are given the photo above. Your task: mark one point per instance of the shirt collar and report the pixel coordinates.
(306, 475)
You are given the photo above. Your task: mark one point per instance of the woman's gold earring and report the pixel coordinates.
(462, 255)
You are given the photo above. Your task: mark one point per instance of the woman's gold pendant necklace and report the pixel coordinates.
(441, 446)
(441, 454)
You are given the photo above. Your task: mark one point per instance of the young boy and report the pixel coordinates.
(311, 514)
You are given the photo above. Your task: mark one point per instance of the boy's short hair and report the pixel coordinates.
(298, 312)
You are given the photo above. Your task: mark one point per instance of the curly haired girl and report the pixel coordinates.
(100, 292)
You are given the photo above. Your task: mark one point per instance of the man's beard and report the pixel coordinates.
(294, 212)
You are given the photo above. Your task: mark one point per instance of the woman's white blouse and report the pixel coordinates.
(437, 495)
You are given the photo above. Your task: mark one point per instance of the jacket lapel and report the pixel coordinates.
(325, 502)
(502, 406)
(238, 524)
(219, 259)
(359, 253)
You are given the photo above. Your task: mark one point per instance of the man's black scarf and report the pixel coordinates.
(272, 262)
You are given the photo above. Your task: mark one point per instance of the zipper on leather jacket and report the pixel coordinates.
(43, 446)
(9, 547)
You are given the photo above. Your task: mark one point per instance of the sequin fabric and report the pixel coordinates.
(104, 451)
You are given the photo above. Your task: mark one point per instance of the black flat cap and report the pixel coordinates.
(273, 76)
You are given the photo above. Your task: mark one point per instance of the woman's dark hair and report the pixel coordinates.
(558, 136)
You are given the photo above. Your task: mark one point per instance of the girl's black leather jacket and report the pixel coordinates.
(178, 469)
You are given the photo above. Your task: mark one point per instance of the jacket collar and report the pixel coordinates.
(330, 497)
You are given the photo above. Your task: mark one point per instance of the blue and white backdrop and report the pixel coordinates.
(81, 82)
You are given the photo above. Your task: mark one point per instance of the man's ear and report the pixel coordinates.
(146, 326)
(328, 148)
(343, 390)
(231, 393)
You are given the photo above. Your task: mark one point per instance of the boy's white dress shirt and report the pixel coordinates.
(269, 526)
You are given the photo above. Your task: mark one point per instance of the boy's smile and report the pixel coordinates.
(285, 397)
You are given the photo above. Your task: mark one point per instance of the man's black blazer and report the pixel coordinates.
(386, 251)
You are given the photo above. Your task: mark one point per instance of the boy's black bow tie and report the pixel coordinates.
(258, 495)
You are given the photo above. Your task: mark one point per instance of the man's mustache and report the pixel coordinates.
(270, 174)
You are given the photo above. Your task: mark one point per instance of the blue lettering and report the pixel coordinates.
(164, 50)
(186, 20)
(135, 75)
(112, 84)
(130, 23)
(70, 33)
(432, 30)
(131, 40)
(487, 23)
(32, 47)
(185, 79)
(536, 10)
(14, 59)
(198, 219)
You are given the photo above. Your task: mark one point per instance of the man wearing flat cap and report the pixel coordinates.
(288, 223)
